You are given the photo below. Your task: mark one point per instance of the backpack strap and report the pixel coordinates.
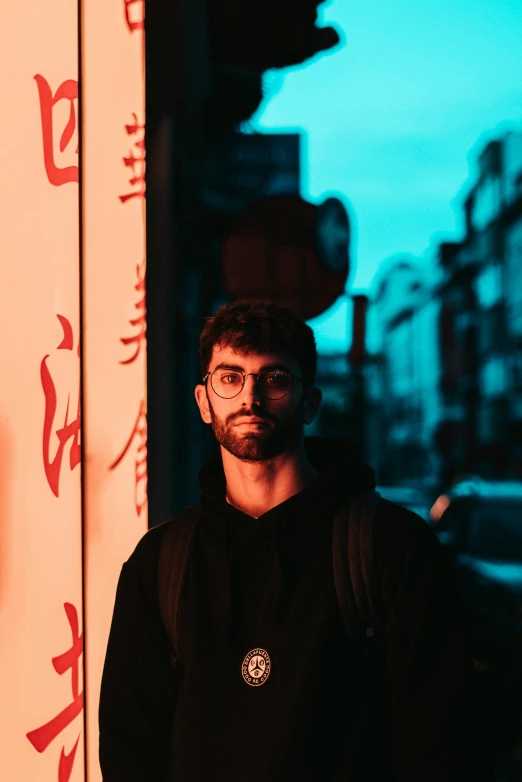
(172, 570)
(355, 578)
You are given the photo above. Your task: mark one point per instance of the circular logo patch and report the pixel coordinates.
(256, 667)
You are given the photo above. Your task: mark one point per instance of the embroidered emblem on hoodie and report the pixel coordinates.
(256, 667)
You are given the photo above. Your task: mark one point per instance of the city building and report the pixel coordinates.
(404, 370)
(447, 365)
(457, 338)
(490, 260)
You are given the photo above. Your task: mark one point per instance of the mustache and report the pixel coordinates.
(249, 413)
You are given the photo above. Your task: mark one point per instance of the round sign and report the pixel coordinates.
(333, 235)
(290, 251)
(256, 667)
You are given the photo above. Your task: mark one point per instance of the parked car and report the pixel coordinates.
(480, 523)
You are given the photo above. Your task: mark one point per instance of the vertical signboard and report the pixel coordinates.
(41, 731)
(113, 317)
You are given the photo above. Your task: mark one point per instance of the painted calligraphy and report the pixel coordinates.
(67, 91)
(140, 322)
(70, 429)
(134, 14)
(139, 432)
(42, 737)
(136, 160)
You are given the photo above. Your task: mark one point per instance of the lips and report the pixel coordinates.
(251, 421)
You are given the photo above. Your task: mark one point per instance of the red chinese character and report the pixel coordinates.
(70, 429)
(69, 660)
(140, 469)
(134, 14)
(140, 322)
(68, 91)
(136, 161)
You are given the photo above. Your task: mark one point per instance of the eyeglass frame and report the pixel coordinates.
(244, 375)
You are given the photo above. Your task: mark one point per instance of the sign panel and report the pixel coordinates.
(41, 730)
(113, 273)
(239, 169)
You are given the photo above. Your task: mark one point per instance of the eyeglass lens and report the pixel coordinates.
(272, 383)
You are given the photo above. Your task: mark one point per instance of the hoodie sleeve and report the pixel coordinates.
(434, 735)
(138, 690)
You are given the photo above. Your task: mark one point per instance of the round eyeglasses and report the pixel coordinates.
(272, 383)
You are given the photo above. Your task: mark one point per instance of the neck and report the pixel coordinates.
(256, 487)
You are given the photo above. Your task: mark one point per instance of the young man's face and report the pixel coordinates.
(250, 426)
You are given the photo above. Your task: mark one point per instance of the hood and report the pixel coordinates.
(341, 474)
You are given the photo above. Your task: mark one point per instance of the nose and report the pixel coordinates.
(250, 392)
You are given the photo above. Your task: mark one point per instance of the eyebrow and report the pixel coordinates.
(238, 368)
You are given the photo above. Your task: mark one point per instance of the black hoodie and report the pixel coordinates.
(322, 713)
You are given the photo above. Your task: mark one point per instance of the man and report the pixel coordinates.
(268, 686)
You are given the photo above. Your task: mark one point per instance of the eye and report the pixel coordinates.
(277, 378)
(230, 378)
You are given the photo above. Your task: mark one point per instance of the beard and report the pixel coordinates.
(264, 444)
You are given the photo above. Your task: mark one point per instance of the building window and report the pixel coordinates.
(487, 203)
(493, 379)
(488, 286)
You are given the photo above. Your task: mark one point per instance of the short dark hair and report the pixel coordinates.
(261, 327)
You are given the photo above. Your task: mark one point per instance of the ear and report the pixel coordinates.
(312, 401)
(200, 392)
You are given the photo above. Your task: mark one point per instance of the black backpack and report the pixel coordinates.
(353, 563)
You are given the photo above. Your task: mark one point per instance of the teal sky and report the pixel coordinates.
(392, 118)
